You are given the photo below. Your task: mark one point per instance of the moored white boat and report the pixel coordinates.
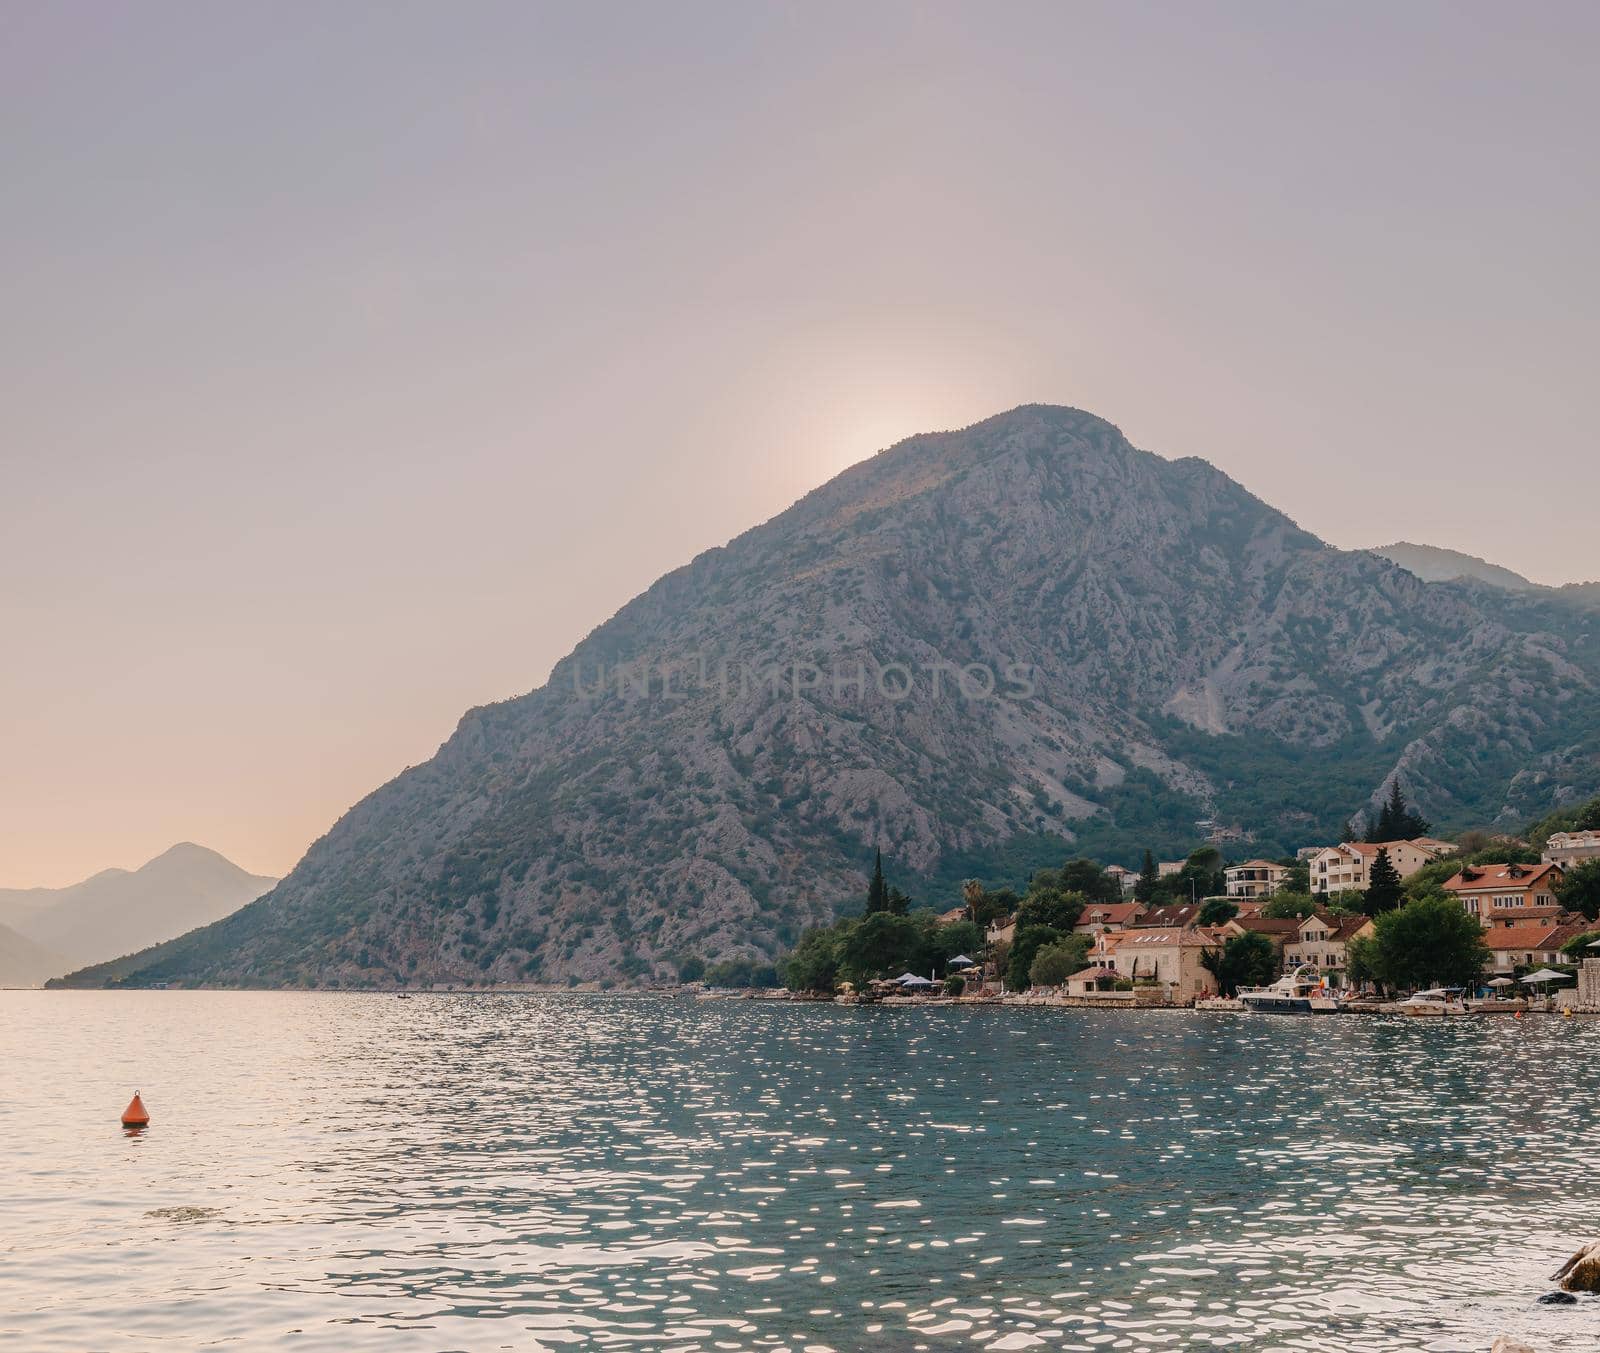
(1435, 1001)
(1300, 992)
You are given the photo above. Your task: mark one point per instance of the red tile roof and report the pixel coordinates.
(1269, 925)
(1520, 937)
(1179, 935)
(1485, 877)
(1544, 915)
(1181, 915)
(1341, 925)
(1111, 913)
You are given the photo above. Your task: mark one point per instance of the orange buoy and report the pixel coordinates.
(135, 1115)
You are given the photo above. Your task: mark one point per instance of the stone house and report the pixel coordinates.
(1508, 894)
(1168, 956)
(1322, 941)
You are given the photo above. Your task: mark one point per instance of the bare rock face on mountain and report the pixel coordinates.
(978, 649)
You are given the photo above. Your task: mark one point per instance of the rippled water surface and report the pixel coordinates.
(485, 1172)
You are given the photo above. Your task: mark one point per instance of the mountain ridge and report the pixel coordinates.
(1194, 654)
(24, 963)
(115, 911)
(1434, 563)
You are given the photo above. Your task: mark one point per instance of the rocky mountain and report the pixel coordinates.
(24, 963)
(979, 650)
(120, 910)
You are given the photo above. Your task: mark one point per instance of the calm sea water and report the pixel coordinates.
(505, 1172)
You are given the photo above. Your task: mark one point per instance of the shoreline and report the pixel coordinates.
(783, 997)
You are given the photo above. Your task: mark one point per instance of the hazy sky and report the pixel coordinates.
(359, 359)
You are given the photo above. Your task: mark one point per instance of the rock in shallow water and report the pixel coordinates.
(1581, 1273)
(1558, 1299)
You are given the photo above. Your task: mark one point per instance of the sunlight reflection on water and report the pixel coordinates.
(475, 1172)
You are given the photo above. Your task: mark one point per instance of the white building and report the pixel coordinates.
(1335, 869)
(1568, 848)
(1126, 879)
(1255, 878)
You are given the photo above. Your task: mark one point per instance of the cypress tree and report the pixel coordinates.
(877, 890)
(1383, 886)
(1145, 887)
(1396, 821)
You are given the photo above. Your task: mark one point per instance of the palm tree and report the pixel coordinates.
(972, 894)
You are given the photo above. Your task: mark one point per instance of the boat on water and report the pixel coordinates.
(1300, 992)
(1436, 1001)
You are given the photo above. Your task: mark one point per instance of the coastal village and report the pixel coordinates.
(1416, 923)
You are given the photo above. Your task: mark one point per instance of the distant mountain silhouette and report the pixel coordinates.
(24, 963)
(120, 910)
(1433, 564)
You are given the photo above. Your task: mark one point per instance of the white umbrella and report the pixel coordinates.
(910, 979)
(1500, 982)
(1544, 975)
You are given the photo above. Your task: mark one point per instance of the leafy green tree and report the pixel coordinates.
(1052, 907)
(1201, 875)
(1089, 879)
(955, 984)
(1025, 946)
(958, 937)
(1299, 877)
(1057, 961)
(1580, 891)
(1144, 890)
(1582, 818)
(881, 945)
(1005, 902)
(1280, 906)
(1218, 910)
(899, 903)
(814, 964)
(1383, 886)
(877, 889)
(1247, 960)
(1361, 960)
(741, 972)
(1577, 948)
(691, 969)
(1426, 941)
